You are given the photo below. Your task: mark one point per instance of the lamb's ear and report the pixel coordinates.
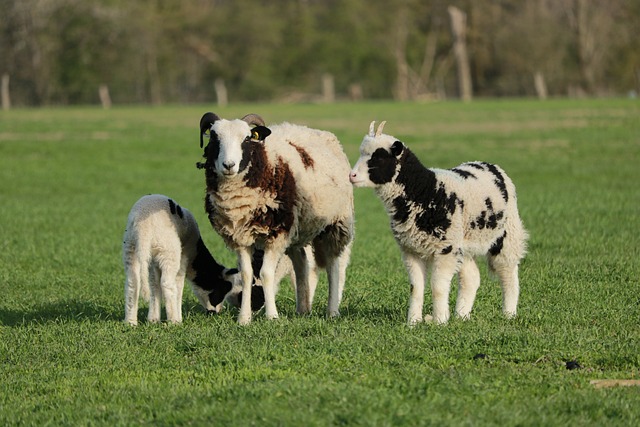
(397, 148)
(205, 125)
(259, 133)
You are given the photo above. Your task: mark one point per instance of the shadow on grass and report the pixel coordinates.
(77, 310)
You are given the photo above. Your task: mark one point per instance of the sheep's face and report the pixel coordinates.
(379, 160)
(230, 145)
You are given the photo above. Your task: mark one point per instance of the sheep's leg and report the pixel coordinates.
(444, 268)
(246, 272)
(313, 274)
(334, 277)
(131, 290)
(508, 276)
(469, 282)
(301, 268)
(416, 268)
(267, 276)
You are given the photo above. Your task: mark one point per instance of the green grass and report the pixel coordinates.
(68, 178)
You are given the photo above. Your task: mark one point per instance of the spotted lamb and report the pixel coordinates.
(280, 188)
(162, 245)
(443, 219)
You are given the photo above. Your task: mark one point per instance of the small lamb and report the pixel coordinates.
(162, 245)
(444, 219)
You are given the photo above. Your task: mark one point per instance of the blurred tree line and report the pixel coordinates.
(161, 51)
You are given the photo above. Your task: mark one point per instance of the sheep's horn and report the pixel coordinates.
(253, 119)
(205, 124)
(372, 128)
(380, 127)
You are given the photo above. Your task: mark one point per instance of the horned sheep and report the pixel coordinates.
(280, 189)
(162, 245)
(443, 219)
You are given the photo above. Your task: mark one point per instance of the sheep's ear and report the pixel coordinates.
(207, 120)
(259, 133)
(397, 148)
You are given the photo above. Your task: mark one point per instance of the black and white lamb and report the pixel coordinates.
(279, 189)
(162, 245)
(443, 219)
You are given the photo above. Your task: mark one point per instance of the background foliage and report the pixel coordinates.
(159, 51)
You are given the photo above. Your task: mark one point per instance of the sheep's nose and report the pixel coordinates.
(228, 165)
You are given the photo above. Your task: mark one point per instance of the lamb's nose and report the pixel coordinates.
(228, 165)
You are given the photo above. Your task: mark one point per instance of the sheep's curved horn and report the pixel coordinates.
(380, 127)
(253, 119)
(372, 128)
(205, 124)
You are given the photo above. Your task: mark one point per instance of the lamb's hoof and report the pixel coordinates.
(333, 314)
(131, 322)
(510, 314)
(428, 318)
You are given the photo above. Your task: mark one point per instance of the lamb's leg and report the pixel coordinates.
(267, 276)
(170, 292)
(302, 271)
(510, 289)
(131, 290)
(416, 268)
(246, 272)
(469, 282)
(180, 291)
(444, 267)
(151, 275)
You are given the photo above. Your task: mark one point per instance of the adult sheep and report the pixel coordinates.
(161, 246)
(443, 219)
(279, 189)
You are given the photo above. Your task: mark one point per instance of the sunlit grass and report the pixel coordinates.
(69, 177)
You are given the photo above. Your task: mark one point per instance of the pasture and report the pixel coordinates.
(68, 178)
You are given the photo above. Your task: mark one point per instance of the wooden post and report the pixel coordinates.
(6, 99)
(459, 30)
(221, 92)
(540, 85)
(328, 88)
(105, 98)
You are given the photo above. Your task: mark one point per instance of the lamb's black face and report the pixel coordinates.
(219, 293)
(378, 162)
(381, 166)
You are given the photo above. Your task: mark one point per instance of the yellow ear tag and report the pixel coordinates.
(255, 136)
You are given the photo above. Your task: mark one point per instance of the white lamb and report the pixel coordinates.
(279, 189)
(162, 245)
(443, 219)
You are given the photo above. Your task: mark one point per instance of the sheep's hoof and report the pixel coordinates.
(131, 322)
(244, 320)
(428, 318)
(333, 314)
(510, 314)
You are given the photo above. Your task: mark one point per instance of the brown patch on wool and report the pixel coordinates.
(281, 183)
(306, 159)
(331, 242)
(260, 172)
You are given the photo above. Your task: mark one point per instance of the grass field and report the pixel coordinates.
(68, 178)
